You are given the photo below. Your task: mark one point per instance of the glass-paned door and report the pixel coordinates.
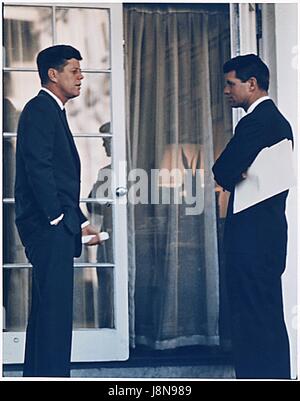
(97, 120)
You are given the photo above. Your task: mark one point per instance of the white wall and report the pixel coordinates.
(286, 31)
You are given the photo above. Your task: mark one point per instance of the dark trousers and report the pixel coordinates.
(259, 336)
(49, 330)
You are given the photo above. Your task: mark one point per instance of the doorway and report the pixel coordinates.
(100, 275)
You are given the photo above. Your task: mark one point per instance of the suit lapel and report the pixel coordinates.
(67, 130)
(63, 118)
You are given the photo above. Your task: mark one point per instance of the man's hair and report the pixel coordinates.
(249, 66)
(55, 57)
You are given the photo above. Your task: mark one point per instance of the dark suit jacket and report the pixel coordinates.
(47, 170)
(262, 227)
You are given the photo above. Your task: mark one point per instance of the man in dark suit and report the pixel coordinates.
(48, 216)
(255, 238)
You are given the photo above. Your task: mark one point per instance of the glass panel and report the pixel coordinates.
(95, 166)
(95, 183)
(96, 180)
(9, 170)
(93, 298)
(88, 31)
(13, 251)
(94, 152)
(26, 31)
(95, 162)
(88, 112)
(16, 298)
(101, 216)
(19, 88)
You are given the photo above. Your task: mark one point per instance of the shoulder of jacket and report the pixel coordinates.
(248, 119)
(40, 103)
(258, 115)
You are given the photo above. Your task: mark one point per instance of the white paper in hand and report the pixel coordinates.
(271, 173)
(103, 236)
(86, 238)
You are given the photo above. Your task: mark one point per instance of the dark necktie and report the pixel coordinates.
(65, 118)
(70, 136)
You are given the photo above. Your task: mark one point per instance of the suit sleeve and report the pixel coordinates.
(239, 154)
(37, 147)
(82, 217)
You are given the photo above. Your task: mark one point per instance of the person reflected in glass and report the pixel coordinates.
(103, 214)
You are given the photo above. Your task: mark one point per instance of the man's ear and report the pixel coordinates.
(253, 83)
(52, 74)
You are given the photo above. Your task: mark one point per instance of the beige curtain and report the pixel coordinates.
(174, 60)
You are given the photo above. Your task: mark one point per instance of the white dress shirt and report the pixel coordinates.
(256, 103)
(58, 101)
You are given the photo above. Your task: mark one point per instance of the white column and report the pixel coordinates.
(243, 38)
(286, 19)
(247, 19)
(268, 45)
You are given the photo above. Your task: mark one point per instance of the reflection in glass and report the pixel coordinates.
(95, 166)
(87, 30)
(88, 112)
(101, 216)
(94, 159)
(26, 31)
(9, 171)
(93, 298)
(19, 88)
(16, 298)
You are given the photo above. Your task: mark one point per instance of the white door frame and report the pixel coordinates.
(102, 344)
(243, 38)
(113, 344)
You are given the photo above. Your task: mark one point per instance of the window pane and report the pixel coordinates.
(9, 152)
(16, 298)
(101, 216)
(96, 182)
(95, 163)
(19, 88)
(95, 166)
(93, 298)
(26, 31)
(88, 31)
(88, 112)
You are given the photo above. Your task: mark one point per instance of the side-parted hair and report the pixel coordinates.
(55, 57)
(249, 66)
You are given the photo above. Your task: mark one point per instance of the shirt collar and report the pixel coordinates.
(256, 103)
(58, 101)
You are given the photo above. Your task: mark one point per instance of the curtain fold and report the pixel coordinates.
(173, 63)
